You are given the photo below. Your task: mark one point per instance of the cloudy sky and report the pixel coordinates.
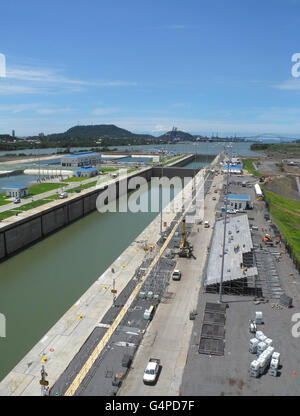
(203, 66)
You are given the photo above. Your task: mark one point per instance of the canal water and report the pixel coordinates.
(40, 284)
(242, 148)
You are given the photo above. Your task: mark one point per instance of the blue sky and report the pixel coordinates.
(203, 66)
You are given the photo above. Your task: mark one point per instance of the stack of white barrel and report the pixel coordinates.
(267, 357)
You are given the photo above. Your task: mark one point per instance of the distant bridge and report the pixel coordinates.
(269, 136)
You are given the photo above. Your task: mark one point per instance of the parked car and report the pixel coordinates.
(17, 200)
(151, 371)
(63, 195)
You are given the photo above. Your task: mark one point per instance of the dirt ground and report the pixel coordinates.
(284, 186)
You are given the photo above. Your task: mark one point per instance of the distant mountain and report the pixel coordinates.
(100, 131)
(179, 135)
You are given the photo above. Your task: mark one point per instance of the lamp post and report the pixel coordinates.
(224, 236)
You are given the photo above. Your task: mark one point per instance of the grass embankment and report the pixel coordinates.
(26, 207)
(43, 187)
(248, 164)
(86, 186)
(286, 214)
(287, 149)
(75, 179)
(4, 200)
(108, 169)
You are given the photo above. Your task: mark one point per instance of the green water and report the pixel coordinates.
(40, 284)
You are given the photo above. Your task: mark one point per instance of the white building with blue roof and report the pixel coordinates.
(78, 160)
(87, 171)
(239, 201)
(16, 191)
(233, 168)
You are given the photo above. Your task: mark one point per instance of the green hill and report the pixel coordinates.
(100, 131)
(180, 135)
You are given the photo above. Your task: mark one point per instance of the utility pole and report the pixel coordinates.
(224, 236)
(161, 207)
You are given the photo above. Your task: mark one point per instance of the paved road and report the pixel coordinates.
(169, 333)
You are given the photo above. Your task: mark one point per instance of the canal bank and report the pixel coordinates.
(21, 231)
(24, 378)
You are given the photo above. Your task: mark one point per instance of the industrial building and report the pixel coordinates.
(239, 201)
(77, 160)
(87, 171)
(16, 191)
(240, 272)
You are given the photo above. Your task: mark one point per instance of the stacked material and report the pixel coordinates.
(268, 358)
(253, 345)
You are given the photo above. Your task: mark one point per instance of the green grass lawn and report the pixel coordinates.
(43, 187)
(86, 186)
(76, 179)
(248, 164)
(287, 222)
(108, 169)
(131, 170)
(52, 197)
(282, 202)
(7, 214)
(33, 204)
(4, 200)
(289, 225)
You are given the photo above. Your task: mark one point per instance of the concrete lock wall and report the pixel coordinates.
(21, 234)
(174, 171)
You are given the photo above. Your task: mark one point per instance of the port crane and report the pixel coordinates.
(186, 249)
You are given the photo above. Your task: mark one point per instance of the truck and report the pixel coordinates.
(151, 371)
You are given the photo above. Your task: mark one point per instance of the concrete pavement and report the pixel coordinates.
(169, 333)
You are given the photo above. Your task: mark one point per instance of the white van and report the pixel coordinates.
(206, 224)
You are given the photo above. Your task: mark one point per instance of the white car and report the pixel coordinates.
(176, 275)
(231, 211)
(151, 371)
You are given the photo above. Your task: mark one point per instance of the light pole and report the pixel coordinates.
(224, 236)
(161, 207)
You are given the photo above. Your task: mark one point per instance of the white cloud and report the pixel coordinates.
(18, 108)
(104, 111)
(50, 111)
(25, 80)
(291, 84)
